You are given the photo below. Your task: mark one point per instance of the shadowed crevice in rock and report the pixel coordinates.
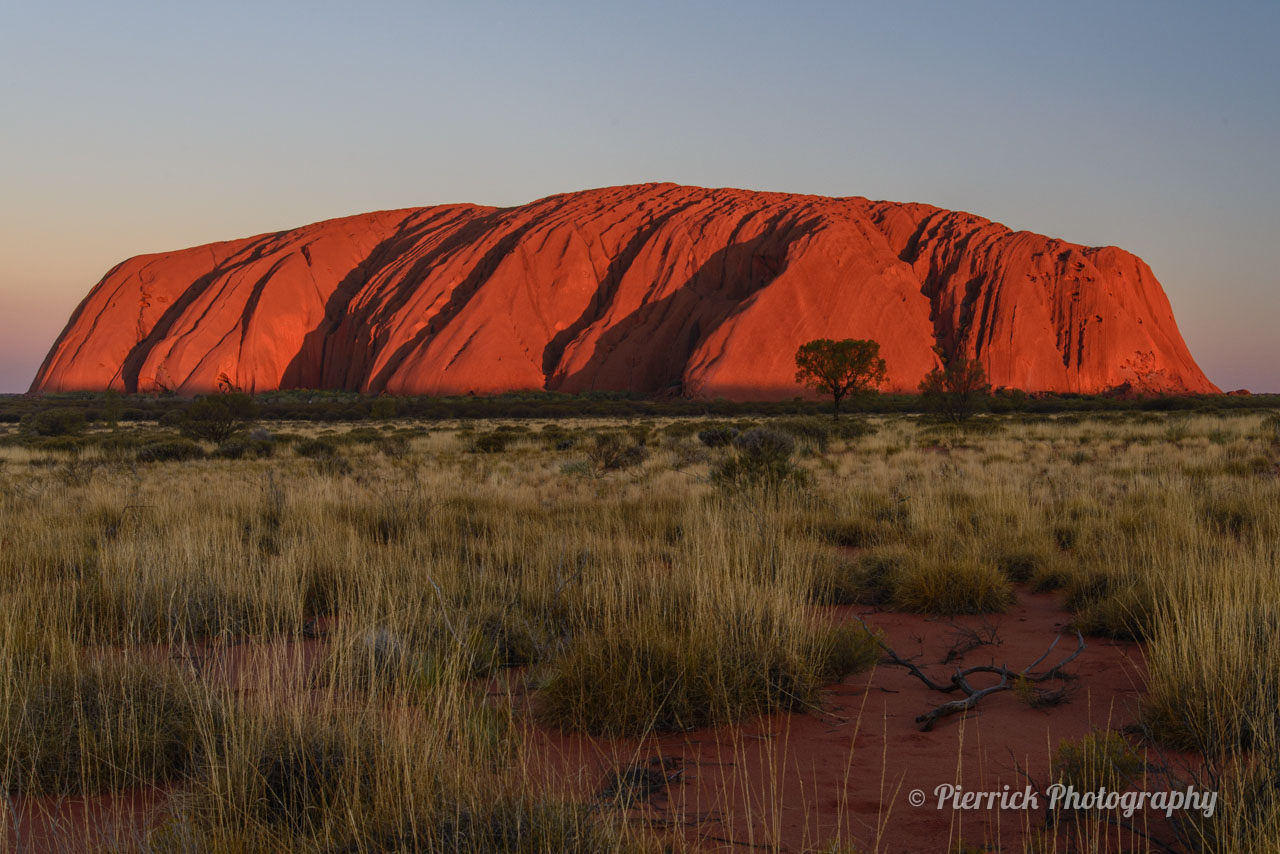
(685, 317)
(603, 297)
(458, 299)
(133, 363)
(314, 365)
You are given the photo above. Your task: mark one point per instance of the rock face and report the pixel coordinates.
(659, 289)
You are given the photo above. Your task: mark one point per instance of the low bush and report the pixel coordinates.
(314, 448)
(717, 437)
(760, 458)
(169, 450)
(70, 726)
(240, 447)
(60, 421)
(610, 452)
(868, 579)
(1103, 759)
(217, 417)
(641, 678)
(951, 586)
(494, 442)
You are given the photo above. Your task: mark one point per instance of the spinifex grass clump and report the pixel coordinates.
(724, 633)
(759, 458)
(70, 724)
(289, 776)
(641, 676)
(905, 580)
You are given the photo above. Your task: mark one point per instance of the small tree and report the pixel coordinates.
(61, 421)
(955, 391)
(217, 417)
(840, 368)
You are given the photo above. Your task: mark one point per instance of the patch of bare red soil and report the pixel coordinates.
(793, 782)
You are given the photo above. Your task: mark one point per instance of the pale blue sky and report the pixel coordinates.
(139, 127)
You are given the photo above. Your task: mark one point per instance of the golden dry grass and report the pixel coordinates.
(635, 598)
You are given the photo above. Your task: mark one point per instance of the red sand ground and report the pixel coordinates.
(794, 781)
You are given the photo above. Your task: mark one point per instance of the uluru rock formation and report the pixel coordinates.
(656, 288)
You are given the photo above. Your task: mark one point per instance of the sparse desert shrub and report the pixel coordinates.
(333, 465)
(1124, 611)
(812, 431)
(1020, 563)
(494, 442)
(216, 418)
(819, 432)
(502, 639)
(611, 452)
(73, 726)
(836, 581)
(1214, 681)
(61, 445)
(1103, 759)
(950, 586)
(1231, 514)
(238, 447)
(850, 429)
(868, 579)
(844, 649)
(383, 409)
(59, 421)
(761, 458)
(169, 450)
(640, 678)
(557, 438)
(717, 437)
(1271, 429)
(316, 447)
(396, 447)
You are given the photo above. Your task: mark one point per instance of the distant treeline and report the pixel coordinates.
(333, 406)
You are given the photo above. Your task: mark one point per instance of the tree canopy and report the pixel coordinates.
(844, 368)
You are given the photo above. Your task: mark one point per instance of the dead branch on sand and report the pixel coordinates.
(959, 680)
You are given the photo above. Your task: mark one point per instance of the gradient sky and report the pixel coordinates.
(137, 127)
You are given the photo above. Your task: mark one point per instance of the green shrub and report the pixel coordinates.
(490, 443)
(61, 421)
(383, 409)
(761, 458)
(54, 423)
(614, 452)
(321, 446)
(951, 586)
(717, 437)
(239, 447)
(1101, 759)
(216, 418)
(75, 727)
(640, 678)
(169, 450)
